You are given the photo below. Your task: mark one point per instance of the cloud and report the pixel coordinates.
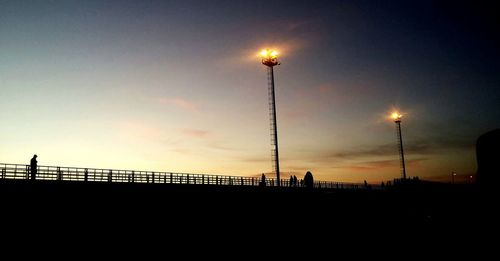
(446, 142)
(416, 147)
(195, 133)
(319, 99)
(256, 159)
(381, 150)
(381, 164)
(218, 146)
(371, 165)
(180, 103)
(210, 141)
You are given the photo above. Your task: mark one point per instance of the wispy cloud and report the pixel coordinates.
(195, 133)
(415, 147)
(219, 146)
(180, 103)
(380, 164)
(205, 140)
(256, 159)
(314, 100)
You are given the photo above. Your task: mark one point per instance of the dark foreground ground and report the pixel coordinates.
(196, 212)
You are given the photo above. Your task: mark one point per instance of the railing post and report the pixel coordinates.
(165, 178)
(3, 173)
(27, 171)
(203, 179)
(133, 176)
(187, 178)
(252, 181)
(216, 180)
(110, 176)
(86, 175)
(241, 178)
(153, 178)
(171, 175)
(59, 173)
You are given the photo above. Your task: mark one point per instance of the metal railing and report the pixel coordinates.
(19, 171)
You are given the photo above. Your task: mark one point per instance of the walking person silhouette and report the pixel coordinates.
(33, 167)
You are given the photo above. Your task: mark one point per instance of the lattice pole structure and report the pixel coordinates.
(397, 120)
(270, 59)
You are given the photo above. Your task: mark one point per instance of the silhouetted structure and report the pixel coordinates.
(397, 120)
(270, 59)
(263, 180)
(33, 167)
(488, 158)
(308, 180)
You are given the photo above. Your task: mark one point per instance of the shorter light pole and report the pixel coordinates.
(397, 119)
(453, 174)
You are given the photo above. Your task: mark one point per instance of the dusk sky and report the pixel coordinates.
(178, 85)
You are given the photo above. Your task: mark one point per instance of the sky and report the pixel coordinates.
(178, 85)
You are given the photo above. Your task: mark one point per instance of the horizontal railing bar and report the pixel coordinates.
(20, 171)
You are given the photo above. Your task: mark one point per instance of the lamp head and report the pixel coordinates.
(269, 57)
(396, 116)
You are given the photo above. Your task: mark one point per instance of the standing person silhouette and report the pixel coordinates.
(308, 180)
(33, 166)
(263, 180)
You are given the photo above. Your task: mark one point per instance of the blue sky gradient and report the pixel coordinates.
(178, 86)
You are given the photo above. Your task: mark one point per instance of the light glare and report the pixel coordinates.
(269, 54)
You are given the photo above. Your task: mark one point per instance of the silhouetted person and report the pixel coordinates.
(308, 180)
(294, 181)
(263, 180)
(33, 167)
(488, 159)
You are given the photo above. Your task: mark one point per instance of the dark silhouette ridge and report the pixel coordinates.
(103, 198)
(220, 208)
(488, 159)
(33, 167)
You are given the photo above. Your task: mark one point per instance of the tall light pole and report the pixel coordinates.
(397, 119)
(270, 59)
